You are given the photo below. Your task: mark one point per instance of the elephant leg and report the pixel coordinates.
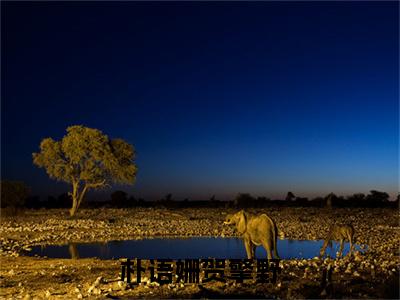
(276, 250)
(341, 248)
(351, 244)
(253, 251)
(248, 246)
(322, 252)
(351, 247)
(268, 249)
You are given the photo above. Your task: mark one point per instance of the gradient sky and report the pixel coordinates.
(217, 98)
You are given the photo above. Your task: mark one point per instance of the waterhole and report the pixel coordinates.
(178, 248)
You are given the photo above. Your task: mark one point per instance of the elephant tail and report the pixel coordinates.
(275, 241)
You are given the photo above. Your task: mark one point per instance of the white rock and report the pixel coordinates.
(98, 281)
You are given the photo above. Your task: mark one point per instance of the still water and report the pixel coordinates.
(178, 248)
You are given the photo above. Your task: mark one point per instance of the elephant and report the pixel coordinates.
(255, 231)
(338, 233)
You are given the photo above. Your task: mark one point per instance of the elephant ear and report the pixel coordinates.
(242, 224)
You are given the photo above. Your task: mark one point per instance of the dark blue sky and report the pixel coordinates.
(217, 98)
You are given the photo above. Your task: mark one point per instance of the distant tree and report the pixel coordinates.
(244, 200)
(357, 197)
(141, 202)
(376, 198)
(132, 202)
(119, 199)
(64, 200)
(51, 202)
(290, 196)
(301, 201)
(340, 201)
(87, 159)
(318, 202)
(168, 197)
(212, 198)
(13, 193)
(262, 201)
(33, 202)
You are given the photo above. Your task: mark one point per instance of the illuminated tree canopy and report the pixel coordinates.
(87, 159)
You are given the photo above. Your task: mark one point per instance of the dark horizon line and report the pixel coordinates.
(106, 197)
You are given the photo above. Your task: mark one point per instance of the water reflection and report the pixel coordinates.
(182, 249)
(73, 251)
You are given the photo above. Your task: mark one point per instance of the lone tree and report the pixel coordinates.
(87, 159)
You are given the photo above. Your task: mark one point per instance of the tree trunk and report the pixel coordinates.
(74, 208)
(77, 198)
(75, 202)
(80, 198)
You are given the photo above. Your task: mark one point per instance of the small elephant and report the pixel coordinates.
(338, 233)
(255, 231)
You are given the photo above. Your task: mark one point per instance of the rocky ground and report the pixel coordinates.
(371, 274)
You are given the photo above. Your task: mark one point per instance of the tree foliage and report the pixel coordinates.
(87, 159)
(378, 197)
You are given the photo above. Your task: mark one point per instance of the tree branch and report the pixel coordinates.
(82, 194)
(96, 185)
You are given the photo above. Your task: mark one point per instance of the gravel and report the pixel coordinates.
(362, 275)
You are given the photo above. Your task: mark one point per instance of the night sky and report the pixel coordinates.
(217, 98)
